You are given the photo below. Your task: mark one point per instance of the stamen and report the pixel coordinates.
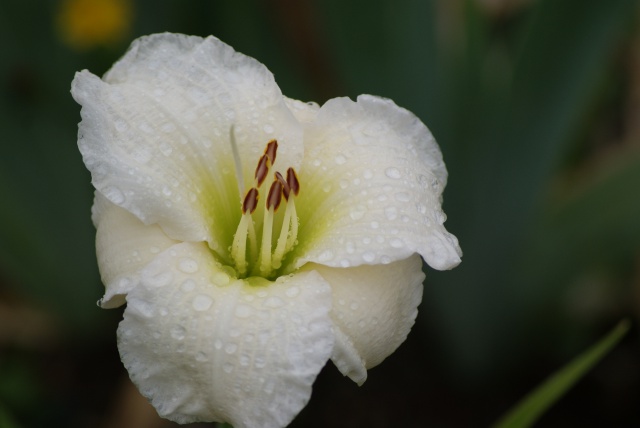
(271, 150)
(275, 195)
(262, 170)
(250, 201)
(285, 185)
(259, 259)
(292, 180)
(239, 246)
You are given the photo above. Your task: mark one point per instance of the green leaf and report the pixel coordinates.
(537, 402)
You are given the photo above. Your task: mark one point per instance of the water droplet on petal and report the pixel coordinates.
(217, 344)
(227, 367)
(114, 194)
(396, 243)
(178, 332)
(188, 285)
(368, 257)
(188, 265)
(230, 348)
(268, 129)
(243, 311)
(357, 212)
(202, 302)
(201, 356)
(403, 197)
(292, 291)
(340, 160)
(391, 213)
(325, 256)
(274, 302)
(392, 172)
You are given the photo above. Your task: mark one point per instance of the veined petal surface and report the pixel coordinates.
(203, 346)
(374, 308)
(155, 132)
(374, 176)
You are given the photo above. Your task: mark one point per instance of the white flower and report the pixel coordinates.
(231, 313)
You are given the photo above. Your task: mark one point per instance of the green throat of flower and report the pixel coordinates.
(255, 255)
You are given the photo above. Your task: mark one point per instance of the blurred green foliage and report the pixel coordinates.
(544, 202)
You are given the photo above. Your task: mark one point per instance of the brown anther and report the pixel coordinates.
(285, 186)
(275, 195)
(292, 180)
(250, 201)
(272, 148)
(262, 170)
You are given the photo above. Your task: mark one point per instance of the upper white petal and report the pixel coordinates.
(155, 133)
(374, 308)
(123, 247)
(205, 347)
(372, 180)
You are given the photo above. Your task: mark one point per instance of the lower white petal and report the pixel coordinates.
(203, 346)
(374, 308)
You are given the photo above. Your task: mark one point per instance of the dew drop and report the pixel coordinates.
(344, 184)
(168, 127)
(326, 188)
(396, 243)
(243, 311)
(354, 306)
(178, 332)
(391, 213)
(188, 285)
(357, 212)
(244, 360)
(350, 247)
(159, 279)
(375, 225)
(121, 125)
(114, 194)
(345, 263)
(368, 257)
(392, 172)
(202, 302)
(260, 362)
(292, 291)
(402, 197)
(340, 160)
(422, 208)
(274, 302)
(217, 344)
(201, 357)
(268, 129)
(367, 174)
(220, 278)
(188, 265)
(325, 256)
(230, 348)
(227, 367)
(166, 149)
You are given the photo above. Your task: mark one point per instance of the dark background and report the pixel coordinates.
(536, 106)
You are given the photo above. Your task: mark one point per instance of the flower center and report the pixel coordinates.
(260, 257)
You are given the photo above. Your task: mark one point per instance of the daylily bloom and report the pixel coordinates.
(253, 237)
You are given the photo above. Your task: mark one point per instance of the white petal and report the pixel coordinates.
(371, 186)
(155, 134)
(374, 308)
(124, 245)
(205, 347)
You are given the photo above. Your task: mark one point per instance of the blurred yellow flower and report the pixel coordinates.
(84, 24)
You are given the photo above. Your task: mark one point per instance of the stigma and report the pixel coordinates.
(254, 250)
